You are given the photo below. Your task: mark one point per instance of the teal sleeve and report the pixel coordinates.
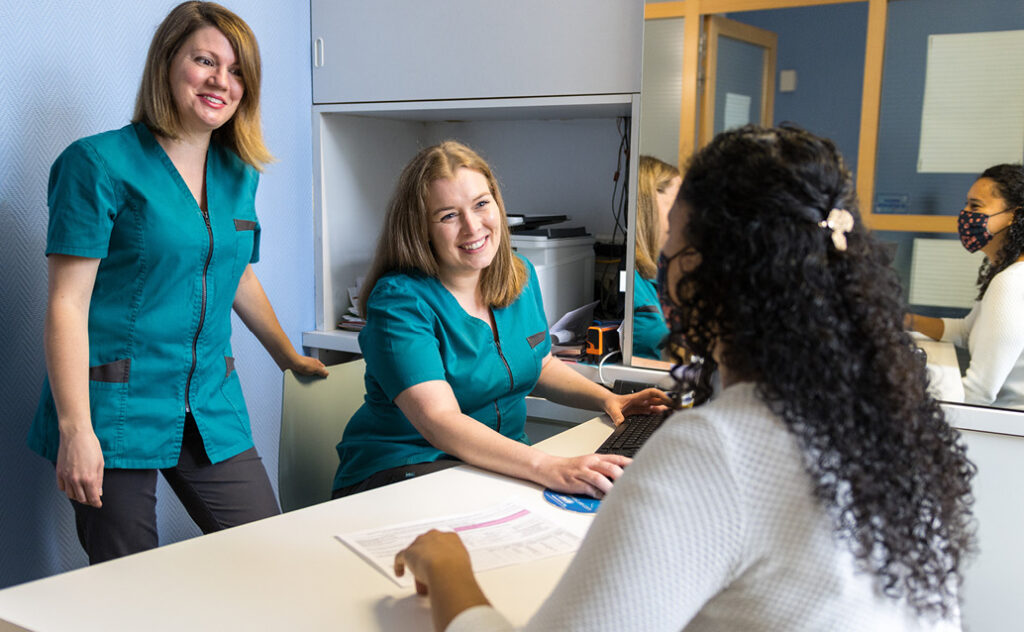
(534, 284)
(83, 204)
(400, 342)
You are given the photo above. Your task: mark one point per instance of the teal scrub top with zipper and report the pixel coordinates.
(417, 332)
(160, 312)
(649, 328)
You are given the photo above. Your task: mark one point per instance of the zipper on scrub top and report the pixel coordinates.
(202, 310)
(511, 380)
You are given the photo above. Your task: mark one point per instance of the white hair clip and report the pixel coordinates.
(840, 222)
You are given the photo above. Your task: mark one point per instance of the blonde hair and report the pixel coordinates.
(654, 175)
(404, 243)
(155, 105)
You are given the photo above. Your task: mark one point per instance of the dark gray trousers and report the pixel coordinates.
(395, 475)
(216, 496)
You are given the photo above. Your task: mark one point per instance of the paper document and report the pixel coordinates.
(573, 326)
(502, 535)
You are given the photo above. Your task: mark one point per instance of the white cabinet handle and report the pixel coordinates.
(318, 52)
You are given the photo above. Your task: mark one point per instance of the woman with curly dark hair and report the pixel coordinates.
(992, 221)
(821, 489)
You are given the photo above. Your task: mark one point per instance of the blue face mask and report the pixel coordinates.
(664, 297)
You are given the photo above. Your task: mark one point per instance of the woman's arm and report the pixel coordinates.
(66, 342)
(253, 307)
(434, 412)
(440, 564)
(669, 538)
(931, 327)
(562, 385)
(996, 339)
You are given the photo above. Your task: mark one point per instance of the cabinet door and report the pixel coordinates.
(397, 50)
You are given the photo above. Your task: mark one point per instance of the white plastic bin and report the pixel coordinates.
(565, 269)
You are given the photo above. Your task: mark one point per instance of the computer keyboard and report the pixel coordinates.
(631, 434)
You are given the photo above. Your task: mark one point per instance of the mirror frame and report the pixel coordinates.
(693, 10)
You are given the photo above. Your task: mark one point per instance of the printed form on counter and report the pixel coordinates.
(502, 535)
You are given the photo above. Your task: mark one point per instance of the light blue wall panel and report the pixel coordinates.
(825, 45)
(740, 71)
(71, 69)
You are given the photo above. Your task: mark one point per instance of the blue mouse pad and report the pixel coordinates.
(570, 502)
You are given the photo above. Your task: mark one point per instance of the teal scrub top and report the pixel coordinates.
(649, 328)
(417, 332)
(160, 313)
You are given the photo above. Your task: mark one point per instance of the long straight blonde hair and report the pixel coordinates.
(404, 243)
(154, 104)
(653, 176)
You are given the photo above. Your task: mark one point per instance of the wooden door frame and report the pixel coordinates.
(716, 26)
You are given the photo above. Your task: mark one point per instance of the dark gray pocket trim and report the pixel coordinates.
(116, 372)
(536, 338)
(245, 224)
(648, 309)
(229, 363)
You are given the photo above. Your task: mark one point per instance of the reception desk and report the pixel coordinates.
(289, 572)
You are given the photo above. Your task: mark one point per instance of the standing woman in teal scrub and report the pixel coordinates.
(455, 340)
(151, 232)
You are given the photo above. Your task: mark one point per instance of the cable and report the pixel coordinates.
(600, 366)
(621, 176)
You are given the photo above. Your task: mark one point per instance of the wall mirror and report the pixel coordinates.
(852, 70)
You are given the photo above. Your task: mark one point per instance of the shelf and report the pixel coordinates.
(506, 109)
(348, 341)
(336, 340)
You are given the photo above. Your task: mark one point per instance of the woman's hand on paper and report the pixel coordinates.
(440, 564)
(432, 554)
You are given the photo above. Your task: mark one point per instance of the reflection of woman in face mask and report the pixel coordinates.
(993, 222)
(659, 183)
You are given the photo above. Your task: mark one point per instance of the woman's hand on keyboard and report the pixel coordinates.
(590, 474)
(649, 400)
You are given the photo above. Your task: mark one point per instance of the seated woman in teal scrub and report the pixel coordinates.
(455, 340)
(152, 229)
(658, 184)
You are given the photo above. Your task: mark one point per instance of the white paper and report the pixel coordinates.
(737, 110)
(502, 535)
(973, 114)
(943, 274)
(565, 330)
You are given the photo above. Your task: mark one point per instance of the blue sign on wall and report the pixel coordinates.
(892, 203)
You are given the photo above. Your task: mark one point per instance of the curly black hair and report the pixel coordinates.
(1009, 182)
(819, 329)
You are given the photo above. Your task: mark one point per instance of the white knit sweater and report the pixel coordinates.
(994, 335)
(713, 527)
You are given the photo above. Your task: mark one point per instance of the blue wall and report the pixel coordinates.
(740, 71)
(71, 69)
(825, 45)
(906, 55)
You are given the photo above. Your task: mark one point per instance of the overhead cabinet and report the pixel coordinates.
(401, 50)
